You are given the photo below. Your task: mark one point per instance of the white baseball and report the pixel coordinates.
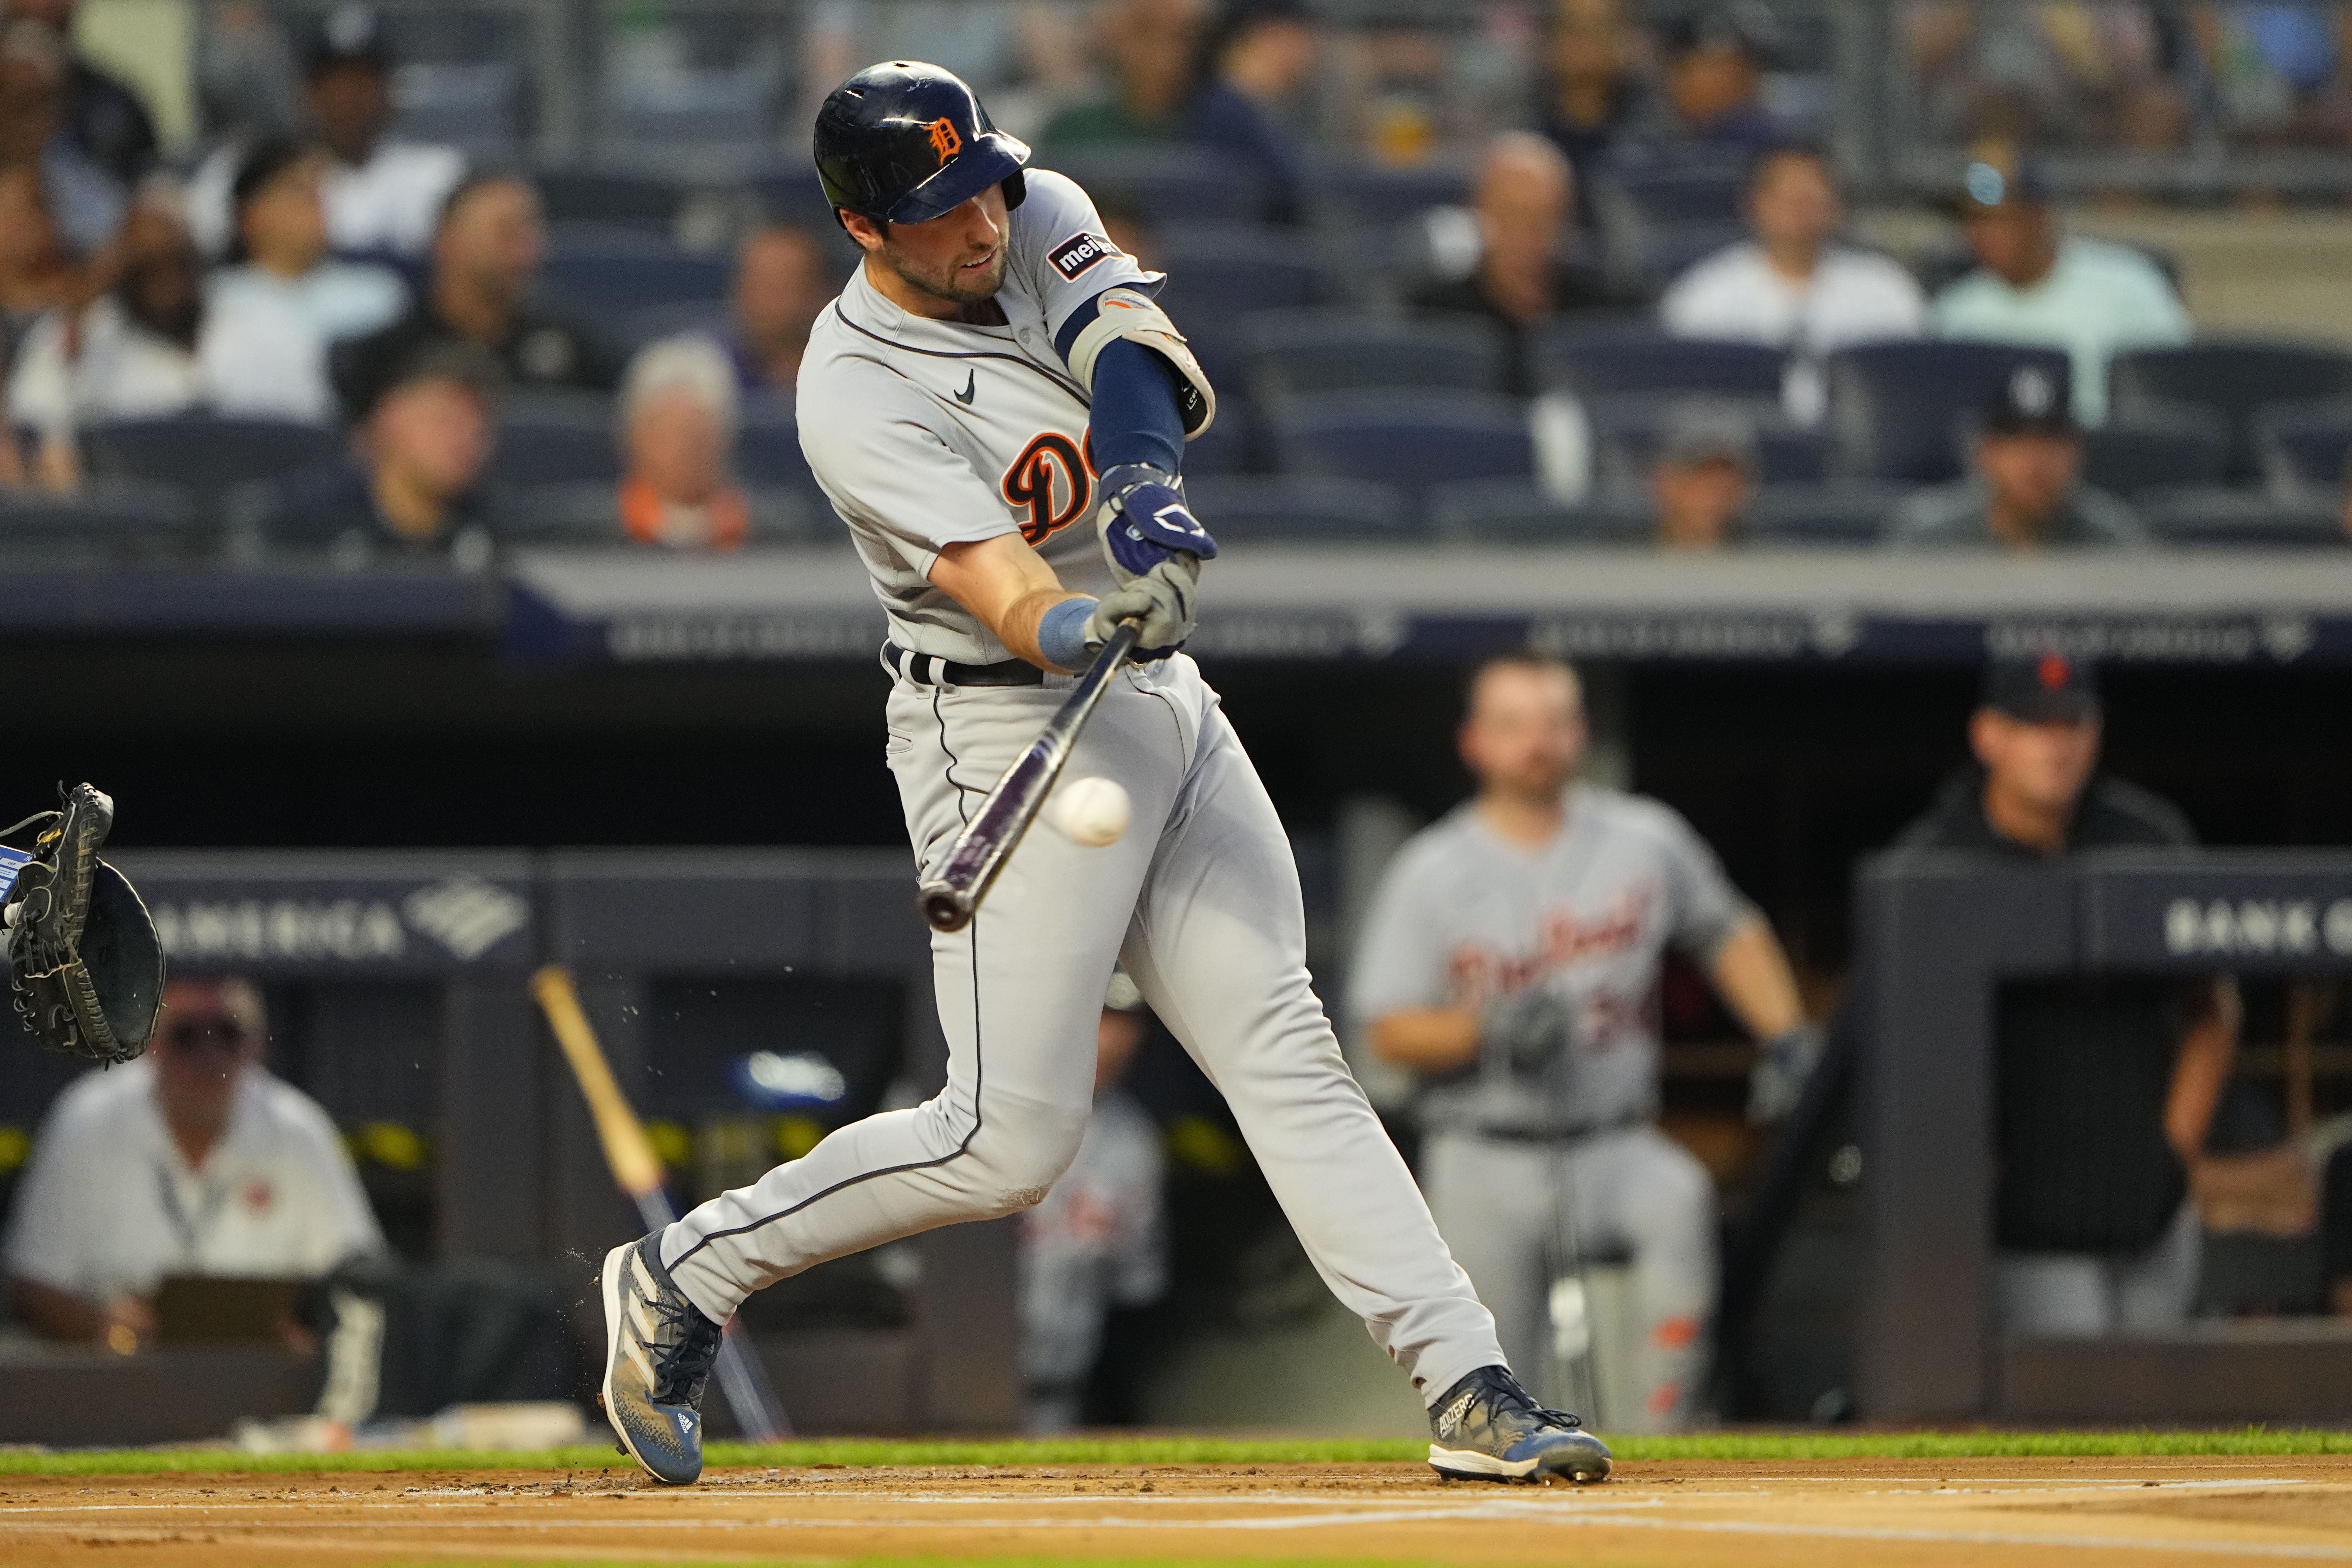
(1090, 811)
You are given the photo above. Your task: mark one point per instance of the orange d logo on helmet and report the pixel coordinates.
(946, 140)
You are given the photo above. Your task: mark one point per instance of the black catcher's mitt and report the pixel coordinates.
(82, 955)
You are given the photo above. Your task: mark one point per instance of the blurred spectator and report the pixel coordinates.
(271, 317)
(101, 116)
(1715, 62)
(132, 353)
(2100, 73)
(2027, 490)
(1095, 1241)
(486, 261)
(424, 431)
(1591, 91)
(191, 1160)
(246, 82)
(36, 277)
(1522, 271)
(783, 281)
(1704, 477)
(678, 412)
(1509, 958)
(1168, 86)
(2276, 71)
(2105, 1084)
(2034, 284)
(1793, 286)
(84, 203)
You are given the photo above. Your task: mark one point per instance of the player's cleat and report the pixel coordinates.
(1488, 1428)
(659, 1351)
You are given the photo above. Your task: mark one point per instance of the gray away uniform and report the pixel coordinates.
(1524, 1165)
(925, 433)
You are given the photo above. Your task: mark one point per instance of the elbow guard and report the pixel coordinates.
(1132, 314)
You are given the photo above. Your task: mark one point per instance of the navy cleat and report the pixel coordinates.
(1488, 1428)
(659, 1351)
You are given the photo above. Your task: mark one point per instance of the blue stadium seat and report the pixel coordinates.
(2304, 446)
(102, 523)
(1412, 440)
(1254, 507)
(477, 104)
(1626, 431)
(2236, 519)
(610, 199)
(1895, 410)
(1217, 276)
(1599, 363)
(1676, 189)
(1852, 513)
(1513, 511)
(638, 327)
(2234, 377)
(1170, 184)
(1364, 197)
(1290, 353)
(2156, 447)
(617, 273)
(554, 439)
(203, 456)
(768, 452)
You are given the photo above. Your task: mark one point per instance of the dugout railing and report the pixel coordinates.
(1937, 933)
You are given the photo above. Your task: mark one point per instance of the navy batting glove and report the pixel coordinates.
(1144, 521)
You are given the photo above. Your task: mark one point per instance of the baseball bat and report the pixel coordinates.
(979, 852)
(629, 1154)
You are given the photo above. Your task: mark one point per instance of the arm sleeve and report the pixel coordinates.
(1401, 959)
(1135, 418)
(890, 473)
(1704, 908)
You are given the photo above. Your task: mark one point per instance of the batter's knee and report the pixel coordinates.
(1018, 1150)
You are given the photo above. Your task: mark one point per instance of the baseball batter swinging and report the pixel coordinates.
(997, 407)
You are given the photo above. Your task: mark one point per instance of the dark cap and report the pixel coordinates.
(2031, 400)
(1987, 185)
(269, 158)
(2042, 688)
(349, 35)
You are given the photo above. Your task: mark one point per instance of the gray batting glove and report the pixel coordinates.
(1163, 597)
(1528, 1028)
(1783, 1063)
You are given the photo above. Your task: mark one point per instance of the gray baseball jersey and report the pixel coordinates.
(927, 434)
(1464, 916)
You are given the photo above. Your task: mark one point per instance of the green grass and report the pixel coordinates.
(1758, 1446)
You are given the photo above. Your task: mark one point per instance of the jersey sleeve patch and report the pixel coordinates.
(1079, 252)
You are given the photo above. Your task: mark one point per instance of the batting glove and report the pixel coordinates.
(1783, 1063)
(1144, 522)
(1163, 597)
(1530, 1028)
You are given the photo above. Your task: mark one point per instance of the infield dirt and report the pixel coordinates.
(1700, 1514)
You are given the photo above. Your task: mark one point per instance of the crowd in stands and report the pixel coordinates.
(1642, 320)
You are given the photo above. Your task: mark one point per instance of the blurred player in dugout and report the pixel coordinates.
(1512, 958)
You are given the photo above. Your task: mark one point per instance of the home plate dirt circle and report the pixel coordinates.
(1754, 1515)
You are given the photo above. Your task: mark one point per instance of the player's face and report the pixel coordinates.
(2043, 767)
(958, 257)
(1525, 735)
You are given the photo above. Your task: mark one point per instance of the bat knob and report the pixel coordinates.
(945, 907)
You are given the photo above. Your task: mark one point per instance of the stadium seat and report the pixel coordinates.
(1604, 362)
(1626, 431)
(2233, 378)
(203, 456)
(1513, 511)
(1852, 512)
(614, 274)
(768, 452)
(102, 523)
(477, 104)
(1170, 185)
(610, 199)
(1412, 440)
(2243, 519)
(1361, 196)
(1896, 409)
(1290, 353)
(2304, 446)
(553, 439)
(2156, 447)
(638, 327)
(1217, 276)
(1254, 507)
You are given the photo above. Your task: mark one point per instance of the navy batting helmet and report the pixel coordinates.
(904, 142)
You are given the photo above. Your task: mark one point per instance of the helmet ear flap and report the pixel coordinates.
(1017, 190)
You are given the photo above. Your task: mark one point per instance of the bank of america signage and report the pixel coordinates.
(464, 917)
(2259, 926)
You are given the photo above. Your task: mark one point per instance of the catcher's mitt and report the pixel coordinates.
(82, 955)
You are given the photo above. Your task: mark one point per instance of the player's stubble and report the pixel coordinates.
(971, 289)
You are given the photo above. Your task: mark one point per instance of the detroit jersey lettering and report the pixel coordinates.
(926, 434)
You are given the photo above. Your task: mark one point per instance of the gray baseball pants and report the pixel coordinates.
(1200, 900)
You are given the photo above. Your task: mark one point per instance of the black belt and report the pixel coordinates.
(930, 670)
(1503, 1133)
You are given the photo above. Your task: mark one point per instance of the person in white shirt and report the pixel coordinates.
(1793, 287)
(271, 319)
(191, 1160)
